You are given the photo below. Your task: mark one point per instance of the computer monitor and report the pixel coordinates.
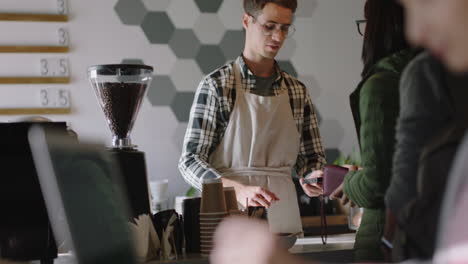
(85, 201)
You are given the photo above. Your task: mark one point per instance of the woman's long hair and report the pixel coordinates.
(385, 31)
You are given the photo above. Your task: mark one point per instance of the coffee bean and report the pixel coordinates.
(120, 103)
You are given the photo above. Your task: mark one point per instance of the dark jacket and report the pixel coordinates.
(425, 109)
(375, 107)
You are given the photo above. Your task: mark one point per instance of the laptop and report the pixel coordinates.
(85, 199)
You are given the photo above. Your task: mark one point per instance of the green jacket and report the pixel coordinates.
(375, 107)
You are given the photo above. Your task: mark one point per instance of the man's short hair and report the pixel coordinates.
(253, 7)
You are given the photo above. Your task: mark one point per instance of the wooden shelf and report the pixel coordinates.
(35, 111)
(33, 80)
(332, 220)
(34, 49)
(33, 17)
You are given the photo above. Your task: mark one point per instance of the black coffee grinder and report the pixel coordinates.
(120, 89)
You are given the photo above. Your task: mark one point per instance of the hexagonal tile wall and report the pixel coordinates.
(209, 6)
(186, 75)
(287, 67)
(232, 43)
(156, 5)
(130, 12)
(157, 27)
(181, 105)
(165, 60)
(184, 43)
(209, 29)
(198, 43)
(183, 13)
(209, 58)
(230, 13)
(162, 91)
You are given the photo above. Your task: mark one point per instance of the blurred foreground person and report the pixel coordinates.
(452, 243)
(440, 26)
(430, 106)
(246, 241)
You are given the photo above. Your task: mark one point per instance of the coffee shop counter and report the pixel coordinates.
(338, 249)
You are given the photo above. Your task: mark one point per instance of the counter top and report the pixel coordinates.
(338, 249)
(314, 244)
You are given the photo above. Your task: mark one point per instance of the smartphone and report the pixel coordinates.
(313, 180)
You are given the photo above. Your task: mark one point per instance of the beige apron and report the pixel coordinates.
(259, 148)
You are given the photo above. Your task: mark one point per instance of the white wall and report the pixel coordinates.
(329, 50)
(327, 55)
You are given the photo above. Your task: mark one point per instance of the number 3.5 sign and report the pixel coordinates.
(54, 98)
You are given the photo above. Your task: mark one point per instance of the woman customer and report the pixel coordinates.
(375, 107)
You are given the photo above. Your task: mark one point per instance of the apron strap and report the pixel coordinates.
(237, 74)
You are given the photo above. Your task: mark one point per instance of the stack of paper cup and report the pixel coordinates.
(213, 210)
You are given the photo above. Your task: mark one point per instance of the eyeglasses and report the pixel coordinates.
(361, 26)
(271, 28)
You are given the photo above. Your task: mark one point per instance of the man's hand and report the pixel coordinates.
(315, 189)
(256, 196)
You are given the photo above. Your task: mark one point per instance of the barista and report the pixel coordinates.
(252, 123)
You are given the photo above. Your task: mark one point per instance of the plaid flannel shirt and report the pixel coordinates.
(209, 117)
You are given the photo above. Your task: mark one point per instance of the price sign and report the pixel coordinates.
(54, 67)
(63, 36)
(54, 98)
(62, 6)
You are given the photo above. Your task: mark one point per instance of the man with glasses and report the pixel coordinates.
(252, 123)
